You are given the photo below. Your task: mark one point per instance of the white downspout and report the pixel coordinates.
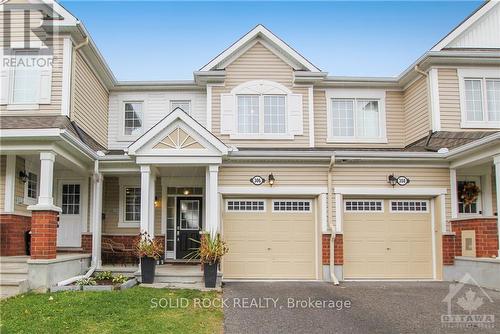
(93, 267)
(330, 223)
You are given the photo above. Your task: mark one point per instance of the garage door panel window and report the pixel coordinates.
(245, 206)
(410, 206)
(364, 206)
(291, 206)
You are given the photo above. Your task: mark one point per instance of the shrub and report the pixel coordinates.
(119, 279)
(86, 281)
(104, 275)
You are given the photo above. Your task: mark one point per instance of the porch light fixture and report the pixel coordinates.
(392, 180)
(186, 192)
(157, 202)
(271, 179)
(23, 176)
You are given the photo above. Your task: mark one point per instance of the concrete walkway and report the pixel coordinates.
(374, 307)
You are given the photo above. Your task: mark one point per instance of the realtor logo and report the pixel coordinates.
(464, 301)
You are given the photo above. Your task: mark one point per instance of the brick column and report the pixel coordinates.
(44, 234)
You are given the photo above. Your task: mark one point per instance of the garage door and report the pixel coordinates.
(387, 239)
(269, 239)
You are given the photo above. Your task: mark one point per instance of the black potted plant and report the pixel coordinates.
(148, 249)
(210, 252)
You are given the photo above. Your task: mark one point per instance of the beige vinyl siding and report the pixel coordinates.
(372, 176)
(259, 63)
(90, 101)
(449, 99)
(3, 162)
(394, 121)
(300, 176)
(17, 35)
(111, 207)
(416, 107)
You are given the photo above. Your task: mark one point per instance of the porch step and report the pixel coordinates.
(194, 286)
(177, 273)
(10, 287)
(14, 259)
(119, 270)
(15, 267)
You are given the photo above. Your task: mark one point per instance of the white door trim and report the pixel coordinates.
(84, 193)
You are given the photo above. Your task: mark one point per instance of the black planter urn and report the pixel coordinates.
(148, 266)
(210, 274)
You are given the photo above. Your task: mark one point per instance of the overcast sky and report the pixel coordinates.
(164, 40)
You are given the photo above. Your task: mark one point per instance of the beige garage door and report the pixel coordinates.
(387, 239)
(269, 239)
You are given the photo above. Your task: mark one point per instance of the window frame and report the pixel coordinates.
(356, 95)
(226, 205)
(309, 211)
(31, 200)
(121, 136)
(427, 206)
(482, 74)
(479, 201)
(124, 183)
(13, 105)
(261, 133)
(363, 200)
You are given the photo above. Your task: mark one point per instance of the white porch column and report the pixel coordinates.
(151, 203)
(97, 186)
(145, 197)
(45, 199)
(213, 222)
(496, 160)
(454, 194)
(10, 184)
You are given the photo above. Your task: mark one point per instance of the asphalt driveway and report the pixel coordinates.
(357, 307)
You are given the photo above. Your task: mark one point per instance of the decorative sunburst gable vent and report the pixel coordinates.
(178, 139)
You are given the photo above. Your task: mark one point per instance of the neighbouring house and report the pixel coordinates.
(305, 175)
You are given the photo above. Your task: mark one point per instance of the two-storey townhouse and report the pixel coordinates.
(306, 176)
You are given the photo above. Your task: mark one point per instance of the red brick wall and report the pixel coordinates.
(87, 243)
(339, 249)
(448, 249)
(486, 235)
(12, 229)
(43, 234)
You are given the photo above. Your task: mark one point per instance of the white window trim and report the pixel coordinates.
(121, 118)
(481, 74)
(265, 88)
(363, 200)
(244, 200)
(372, 94)
(477, 179)
(28, 200)
(125, 182)
(292, 211)
(427, 209)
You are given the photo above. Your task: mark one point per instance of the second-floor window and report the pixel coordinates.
(261, 114)
(25, 85)
(355, 118)
(133, 118)
(482, 99)
(185, 105)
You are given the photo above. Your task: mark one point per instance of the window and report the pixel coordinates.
(70, 199)
(409, 206)
(468, 208)
(480, 98)
(364, 206)
(189, 214)
(185, 105)
(133, 118)
(132, 204)
(26, 80)
(261, 114)
(245, 205)
(32, 186)
(291, 206)
(356, 118)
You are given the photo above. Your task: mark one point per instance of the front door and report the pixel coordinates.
(188, 225)
(69, 232)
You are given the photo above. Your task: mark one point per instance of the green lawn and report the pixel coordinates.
(129, 311)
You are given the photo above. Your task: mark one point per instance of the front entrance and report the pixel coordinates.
(69, 232)
(188, 225)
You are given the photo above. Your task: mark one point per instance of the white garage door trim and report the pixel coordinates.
(429, 209)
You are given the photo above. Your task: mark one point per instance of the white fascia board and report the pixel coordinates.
(29, 133)
(260, 29)
(256, 190)
(390, 191)
(468, 22)
(194, 161)
(464, 148)
(170, 118)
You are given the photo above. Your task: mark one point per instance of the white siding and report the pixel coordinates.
(156, 106)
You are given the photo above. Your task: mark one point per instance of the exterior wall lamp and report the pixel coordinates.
(157, 202)
(392, 180)
(23, 176)
(271, 179)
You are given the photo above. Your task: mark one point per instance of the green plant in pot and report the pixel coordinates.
(148, 249)
(210, 252)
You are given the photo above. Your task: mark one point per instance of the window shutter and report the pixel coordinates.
(45, 85)
(295, 114)
(4, 85)
(228, 114)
